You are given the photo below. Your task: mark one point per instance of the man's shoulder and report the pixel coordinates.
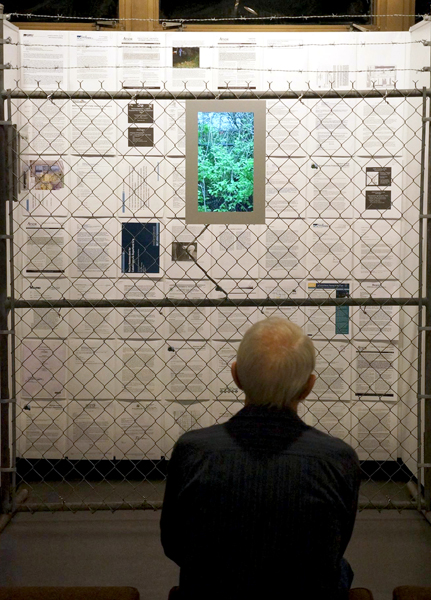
(312, 442)
(326, 445)
(205, 437)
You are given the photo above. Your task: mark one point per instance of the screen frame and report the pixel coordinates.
(257, 215)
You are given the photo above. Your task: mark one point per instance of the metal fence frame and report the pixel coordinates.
(8, 304)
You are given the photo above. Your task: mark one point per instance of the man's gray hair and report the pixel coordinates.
(274, 362)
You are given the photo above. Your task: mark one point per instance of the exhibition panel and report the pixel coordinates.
(126, 313)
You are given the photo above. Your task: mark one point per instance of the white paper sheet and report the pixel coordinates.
(231, 323)
(289, 288)
(238, 61)
(382, 56)
(375, 432)
(175, 187)
(94, 188)
(141, 187)
(92, 322)
(284, 59)
(333, 370)
(377, 249)
(44, 60)
(330, 417)
(141, 323)
(235, 251)
(285, 249)
(93, 129)
(287, 127)
(330, 190)
(381, 128)
(327, 322)
(376, 322)
(182, 417)
(45, 127)
(93, 60)
(141, 55)
(188, 322)
(46, 247)
(222, 385)
(93, 369)
(91, 430)
(329, 243)
(43, 322)
(333, 58)
(140, 431)
(96, 250)
(286, 187)
(376, 372)
(174, 127)
(141, 374)
(334, 121)
(41, 427)
(43, 370)
(187, 374)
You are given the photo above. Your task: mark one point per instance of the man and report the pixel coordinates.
(263, 506)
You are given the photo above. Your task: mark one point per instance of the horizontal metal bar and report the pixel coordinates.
(424, 396)
(425, 465)
(91, 506)
(7, 400)
(6, 66)
(6, 123)
(7, 470)
(139, 94)
(205, 302)
(5, 236)
(7, 332)
(424, 328)
(158, 504)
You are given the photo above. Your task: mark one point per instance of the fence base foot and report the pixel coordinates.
(5, 519)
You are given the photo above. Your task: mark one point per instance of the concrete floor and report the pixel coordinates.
(123, 548)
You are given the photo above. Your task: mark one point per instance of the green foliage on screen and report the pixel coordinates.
(225, 161)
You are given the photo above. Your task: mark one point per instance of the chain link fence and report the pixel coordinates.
(126, 319)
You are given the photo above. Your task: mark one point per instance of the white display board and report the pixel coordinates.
(101, 215)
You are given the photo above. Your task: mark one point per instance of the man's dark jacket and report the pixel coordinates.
(262, 506)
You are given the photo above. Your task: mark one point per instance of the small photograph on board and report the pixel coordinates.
(140, 113)
(140, 248)
(185, 58)
(46, 175)
(182, 251)
(225, 161)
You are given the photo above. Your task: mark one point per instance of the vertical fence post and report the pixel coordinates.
(5, 470)
(427, 363)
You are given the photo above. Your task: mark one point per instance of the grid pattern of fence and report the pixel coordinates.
(115, 353)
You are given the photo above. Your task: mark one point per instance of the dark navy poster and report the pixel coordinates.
(140, 248)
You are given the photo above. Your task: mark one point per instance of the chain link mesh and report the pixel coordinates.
(112, 366)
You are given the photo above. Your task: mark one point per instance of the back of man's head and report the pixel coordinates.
(274, 362)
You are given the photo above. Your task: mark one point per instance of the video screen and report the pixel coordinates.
(225, 162)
